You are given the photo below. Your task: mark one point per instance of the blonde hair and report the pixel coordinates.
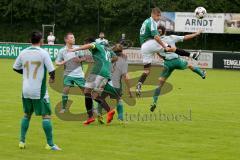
(156, 10)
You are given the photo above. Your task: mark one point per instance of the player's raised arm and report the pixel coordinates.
(83, 47)
(193, 35)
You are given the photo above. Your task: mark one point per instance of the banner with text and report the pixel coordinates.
(226, 60)
(187, 22)
(12, 50)
(205, 59)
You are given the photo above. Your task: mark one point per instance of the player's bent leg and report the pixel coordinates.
(167, 71)
(24, 128)
(47, 127)
(142, 79)
(182, 52)
(197, 70)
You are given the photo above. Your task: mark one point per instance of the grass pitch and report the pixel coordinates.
(210, 132)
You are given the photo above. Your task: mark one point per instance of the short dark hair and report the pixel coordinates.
(67, 34)
(36, 37)
(89, 40)
(156, 10)
(162, 28)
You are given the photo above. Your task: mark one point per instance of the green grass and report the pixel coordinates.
(232, 30)
(212, 134)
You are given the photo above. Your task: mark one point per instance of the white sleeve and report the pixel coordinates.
(18, 63)
(59, 57)
(177, 38)
(48, 62)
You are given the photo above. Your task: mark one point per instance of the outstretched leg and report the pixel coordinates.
(182, 52)
(197, 70)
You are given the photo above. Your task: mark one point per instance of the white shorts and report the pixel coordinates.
(148, 49)
(96, 82)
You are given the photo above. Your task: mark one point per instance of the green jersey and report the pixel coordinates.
(102, 60)
(148, 30)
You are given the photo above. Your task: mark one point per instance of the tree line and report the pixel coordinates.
(88, 17)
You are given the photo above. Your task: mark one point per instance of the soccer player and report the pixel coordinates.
(119, 71)
(33, 63)
(173, 39)
(101, 40)
(98, 78)
(151, 43)
(73, 71)
(172, 61)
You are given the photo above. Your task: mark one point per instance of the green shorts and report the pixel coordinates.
(70, 81)
(114, 93)
(171, 65)
(41, 107)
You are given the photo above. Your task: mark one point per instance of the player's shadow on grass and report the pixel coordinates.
(134, 70)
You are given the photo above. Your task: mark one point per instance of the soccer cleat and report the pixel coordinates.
(54, 147)
(88, 121)
(100, 119)
(196, 55)
(204, 74)
(110, 115)
(22, 145)
(138, 89)
(153, 107)
(62, 111)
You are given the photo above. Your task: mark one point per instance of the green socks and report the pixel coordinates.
(198, 71)
(120, 110)
(99, 109)
(64, 101)
(156, 94)
(47, 127)
(24, 127)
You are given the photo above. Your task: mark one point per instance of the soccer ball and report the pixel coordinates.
(200, 12)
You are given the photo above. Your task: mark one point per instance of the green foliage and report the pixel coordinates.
(81, 17)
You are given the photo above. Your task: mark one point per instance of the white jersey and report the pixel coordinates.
(34, 61)
(71, 68)
(171, 40)
(51, 39)
(102, 41)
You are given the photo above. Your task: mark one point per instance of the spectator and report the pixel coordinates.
(101, 40)
(51, 39)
